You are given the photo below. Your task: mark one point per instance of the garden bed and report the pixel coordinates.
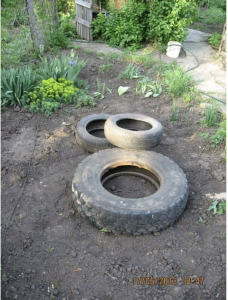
(51, 252)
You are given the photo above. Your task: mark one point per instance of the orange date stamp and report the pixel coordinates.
(167, 280)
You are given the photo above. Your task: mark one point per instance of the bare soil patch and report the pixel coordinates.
(51, 252)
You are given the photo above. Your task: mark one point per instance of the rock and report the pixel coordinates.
(156, 233)
(168, 297)
(29, 115)
(155, 251)
(17, 109)
(112, 188)
(169, 244)
(47, 135)
(74, 254)
(196, 36)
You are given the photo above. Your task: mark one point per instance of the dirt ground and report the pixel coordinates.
(51, 252)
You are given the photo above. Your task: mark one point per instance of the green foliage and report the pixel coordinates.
(99, 26)
(215, 39)
(100, 90)
(149, 87)
(211, 115)
(204, 135)
(175, 111)
(16, 83)
(177, 81)
(112, 56)
(146, 60)
(122, 90)
(130, 72)
(218, 207)
(84, 100)
(124, 28)
(105, 68)
(16, 46)
(191, 94)
(48, 96)
(67, 23)
(168, 20)
(220, 136)
(58, 39)
(212, 15)
(66, 6)
(13, 13)
(63, 67)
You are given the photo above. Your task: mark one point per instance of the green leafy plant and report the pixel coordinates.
(211, 115)
(204, 135)
(101, 55)
(220, 136)
(215, 39)
(218, 207)
(212, 15)
(168, 20)
(48, 96)
(112, 56)
(149, 87)
(175, 111)
(177, 81)
(104, 230)
(131, 72)
(106, 68)
(125, 27)
(16, 84)
(63, 67)
(122, 90)
(84, 100)
(146, 60)
(100, 90)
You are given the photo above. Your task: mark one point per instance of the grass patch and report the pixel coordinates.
(147, 60)
(106, 68)
(211, 115)
(177, 82)
(131, 72)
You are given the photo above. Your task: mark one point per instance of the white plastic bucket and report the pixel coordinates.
(173, 49)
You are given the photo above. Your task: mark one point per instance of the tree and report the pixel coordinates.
(36, 34)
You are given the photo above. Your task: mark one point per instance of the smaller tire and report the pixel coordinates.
(89, 133)
(133, 131)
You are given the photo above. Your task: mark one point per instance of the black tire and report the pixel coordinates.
(133, 131)
(89, 124)
(124, 215)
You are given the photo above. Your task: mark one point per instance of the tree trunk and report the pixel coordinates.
(36, 34)
(55, 19)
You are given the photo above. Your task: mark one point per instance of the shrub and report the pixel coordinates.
(168, 20)
(48, 96)
(63, 67)
(16, 83)
(212, 15)
(215, 39)
(124, 28)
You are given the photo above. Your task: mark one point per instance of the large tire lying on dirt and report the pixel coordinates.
(89, 133)
(129, 215)
(133, 131)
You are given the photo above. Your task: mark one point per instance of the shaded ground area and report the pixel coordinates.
(51, 252)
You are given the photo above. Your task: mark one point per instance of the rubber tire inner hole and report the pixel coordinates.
(133, 125)
(96, 128)
(130, 182)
